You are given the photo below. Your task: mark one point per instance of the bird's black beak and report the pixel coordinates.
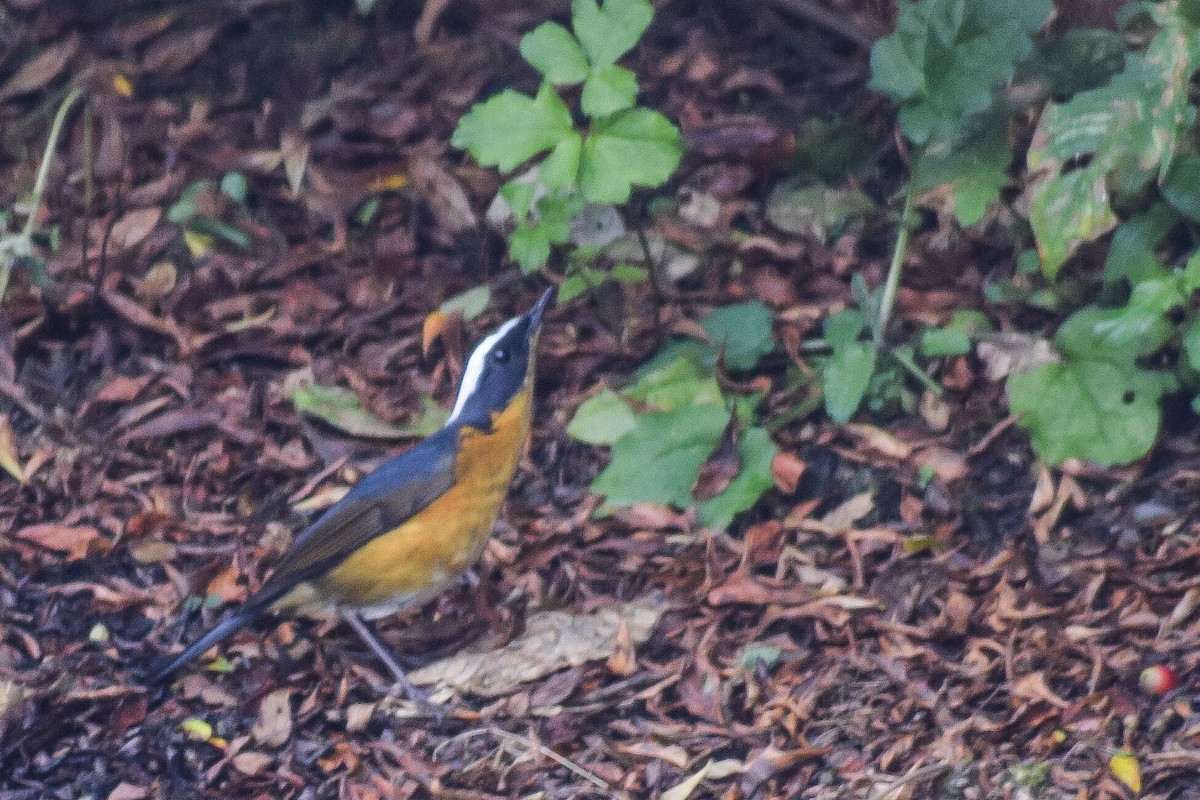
(534, 315)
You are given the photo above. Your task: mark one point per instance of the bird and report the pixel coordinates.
(419, 521)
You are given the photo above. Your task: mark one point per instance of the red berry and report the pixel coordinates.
(1158, 680)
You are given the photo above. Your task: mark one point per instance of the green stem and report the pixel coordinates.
(915, 370)
(39, 185)
(887, 302)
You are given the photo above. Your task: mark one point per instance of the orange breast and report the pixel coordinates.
(414, 561)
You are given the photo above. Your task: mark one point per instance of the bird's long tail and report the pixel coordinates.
(215, 635)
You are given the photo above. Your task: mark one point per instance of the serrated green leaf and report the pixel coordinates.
(638, 147)
(529, 245)
(609, 90)
(947, 57)
(973, 163)
(743, 330)
(659, 460)
(519, 196)
(560, 169)
(555, 53)
(611, 31)
(602, 419)
(1090, 409)
(846, 378)
(755, 453)
(511, 127)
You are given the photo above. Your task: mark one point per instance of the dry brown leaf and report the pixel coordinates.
(10, 458)
(251, 762)
(40, 71)
(274, 725)
(173, 53)
(553, 640)
(787, 470)
(73, 540)
(683, 790)
(880, 441)
(133, 228)
(849, 512)
(128, 791)
(225, 585)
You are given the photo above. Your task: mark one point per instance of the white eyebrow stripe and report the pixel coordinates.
(470, 378)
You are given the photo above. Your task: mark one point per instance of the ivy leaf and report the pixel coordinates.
(659, 460)
(610, 32)
(511, 127)
(638, 147)
(609, 90)
(756, 452)
(680, 382)
(555, 53)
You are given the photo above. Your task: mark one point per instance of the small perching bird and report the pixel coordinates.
(420, 520)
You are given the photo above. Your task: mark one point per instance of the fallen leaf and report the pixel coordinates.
(880, 441)
(128, 791)
(683, 790)
(10, 459)
(251, 762)
(274, 725)
(133, 228)
(73, 540)
(1125, 767)
(553, 640)
(787, 470)
(849, 512)
(42, 69)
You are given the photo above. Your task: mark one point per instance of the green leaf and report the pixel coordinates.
(511, 127)
(1133, 252)
(973, 163)
(1182, 187)
(755, 451)
(844, 327)
(1191, 342)
(555, 53)
(679, 383)
(609, 90)
(947, 57)
(602, 419)
(519, 195)
(1097, 410)
(638, 147)
(1121, 334)
(944, 342)
(234, 186)
(816, 210)
(610, 32)
(659, 460)
(529, 245)
(1126, 132)
(846, 378)
(560, 169)
(744, 330)
(1190, 277)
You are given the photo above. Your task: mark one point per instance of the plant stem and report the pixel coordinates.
(39, 185)
(887, 301)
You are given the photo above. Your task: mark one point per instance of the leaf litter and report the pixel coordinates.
(861, 632)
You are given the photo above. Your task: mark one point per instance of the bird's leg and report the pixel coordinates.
(383, 654)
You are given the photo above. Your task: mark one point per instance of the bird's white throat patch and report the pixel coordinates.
(471, 375)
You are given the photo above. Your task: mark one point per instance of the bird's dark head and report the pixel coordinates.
(499, 368)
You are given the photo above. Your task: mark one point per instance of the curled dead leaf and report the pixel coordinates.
(71, 540)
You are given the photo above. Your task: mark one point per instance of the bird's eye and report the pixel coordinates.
(500, 355)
